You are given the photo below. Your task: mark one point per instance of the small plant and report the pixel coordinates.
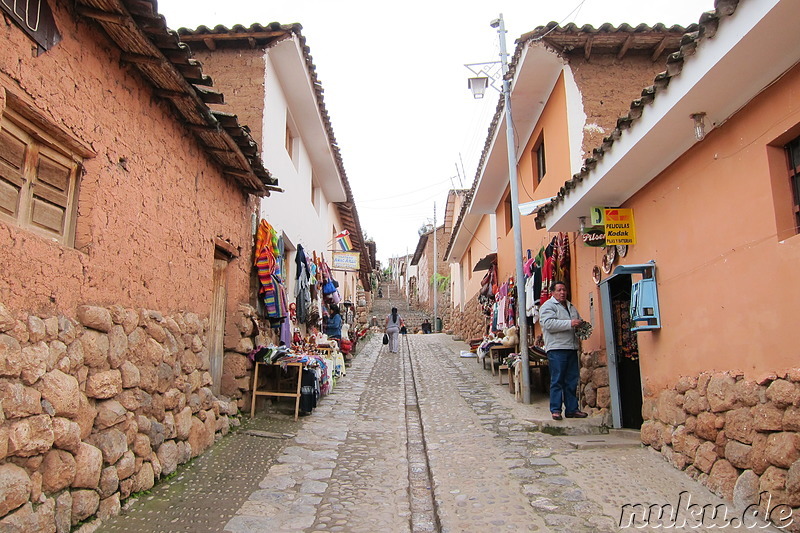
(442, 282)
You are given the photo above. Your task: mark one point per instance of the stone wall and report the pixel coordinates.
(469, 323)
(594, 391)
(737, 436)
(97, 408)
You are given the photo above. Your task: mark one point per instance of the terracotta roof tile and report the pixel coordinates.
(706, 29)
(137, 29)
(570, 39)
(258, 35)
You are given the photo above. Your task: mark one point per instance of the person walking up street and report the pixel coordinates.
(393, 324)
(559, 318)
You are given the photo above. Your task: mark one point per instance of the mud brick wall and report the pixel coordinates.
(97, 408)
(739, 437)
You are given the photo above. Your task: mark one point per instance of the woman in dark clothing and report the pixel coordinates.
(334, 326)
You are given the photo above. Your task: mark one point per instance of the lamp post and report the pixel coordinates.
(522, 325)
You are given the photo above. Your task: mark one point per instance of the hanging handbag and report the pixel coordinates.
(385, 338)
(328, 287)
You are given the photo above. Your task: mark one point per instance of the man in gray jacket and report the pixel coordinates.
(559, 319)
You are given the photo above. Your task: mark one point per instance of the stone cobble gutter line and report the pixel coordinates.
(424, 516)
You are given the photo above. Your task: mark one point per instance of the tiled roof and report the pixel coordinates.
(260, 36)
(706, 29)
(572, 39)
(137, 29)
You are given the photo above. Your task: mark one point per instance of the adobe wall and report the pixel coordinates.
(239, 75)
(104, 383)
(151, 203)
(608, 86)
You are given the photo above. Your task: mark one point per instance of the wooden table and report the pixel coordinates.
(275, 386)
(496, 353)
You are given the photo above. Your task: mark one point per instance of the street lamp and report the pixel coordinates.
(522, 324)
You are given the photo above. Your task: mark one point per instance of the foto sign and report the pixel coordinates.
(620, 228)
(348, 261)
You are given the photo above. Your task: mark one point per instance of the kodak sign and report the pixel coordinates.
(620, 228)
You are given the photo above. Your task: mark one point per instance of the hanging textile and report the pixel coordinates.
(302, 288)
(272, 292)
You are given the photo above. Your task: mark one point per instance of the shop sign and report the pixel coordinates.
(620, 228)
(597, 216)
(594, 236)
(348, 261)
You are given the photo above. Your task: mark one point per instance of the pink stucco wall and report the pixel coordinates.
(714, 221)
(151, 202)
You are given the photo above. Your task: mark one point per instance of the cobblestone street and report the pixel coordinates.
(423, 440)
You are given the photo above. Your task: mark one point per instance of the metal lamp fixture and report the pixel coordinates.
(478, 86)
(699, 120)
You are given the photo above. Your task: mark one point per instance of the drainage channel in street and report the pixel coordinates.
(424, 516)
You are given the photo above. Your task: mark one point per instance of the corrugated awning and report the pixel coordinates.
(531, 208)
(485, 263)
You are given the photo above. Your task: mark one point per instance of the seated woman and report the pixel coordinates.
(333, 328)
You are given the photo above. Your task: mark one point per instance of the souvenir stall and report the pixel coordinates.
(498, 301)
(286, 362)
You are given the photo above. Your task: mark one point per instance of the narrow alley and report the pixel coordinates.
(423, 440)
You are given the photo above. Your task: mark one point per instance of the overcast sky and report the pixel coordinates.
(396, 90)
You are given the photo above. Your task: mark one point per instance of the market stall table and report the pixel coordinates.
(274, 385)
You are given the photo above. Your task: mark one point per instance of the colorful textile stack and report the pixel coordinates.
(272, 291)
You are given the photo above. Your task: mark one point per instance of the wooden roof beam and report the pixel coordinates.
(625, 46)
(587, 48)
(659, 50)
(139, 59)
(102, 16)
(210, 43)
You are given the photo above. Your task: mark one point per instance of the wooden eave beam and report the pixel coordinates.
(625, 46)
(587, 48)
(210, 43)
(139, 59)
(659, 50)
(102, 16)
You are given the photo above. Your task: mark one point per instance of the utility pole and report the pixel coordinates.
(522, 324)
(435, 269)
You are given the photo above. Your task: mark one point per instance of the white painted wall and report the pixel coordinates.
(293, 212)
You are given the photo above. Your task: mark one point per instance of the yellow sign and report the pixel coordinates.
(620, 228)
(349, 261)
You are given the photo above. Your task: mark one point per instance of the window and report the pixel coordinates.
(539, 165)
(507, 209)
(289, 142)
(793, 154)
(38, 180)
(469, 263)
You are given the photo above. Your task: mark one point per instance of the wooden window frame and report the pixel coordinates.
(792, 149)
(508, 215)
(539, 160)
(37, 199)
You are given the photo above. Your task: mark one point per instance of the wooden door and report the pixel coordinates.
(216, 328)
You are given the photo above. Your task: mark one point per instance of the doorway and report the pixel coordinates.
(216, 327)
(625, 381)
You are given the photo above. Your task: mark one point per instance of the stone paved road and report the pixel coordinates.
(418, 441)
